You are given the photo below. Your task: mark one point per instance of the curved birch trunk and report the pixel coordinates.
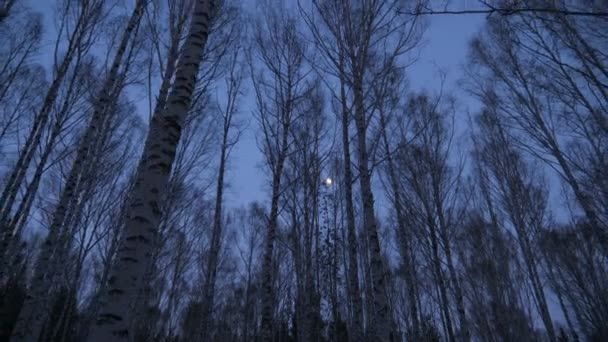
(137, 244)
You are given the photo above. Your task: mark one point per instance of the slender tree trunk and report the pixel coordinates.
(137, 244)
(403, 231)
(465, 334)
(356, 328)
(335, 303)
(537, 287)
(267, 264)
(300, 302)
(27, 154)
(172, 296)
(441, 283)
(212, 262)
(172, 57)
(380, 321)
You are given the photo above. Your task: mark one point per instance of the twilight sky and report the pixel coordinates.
(445, 47)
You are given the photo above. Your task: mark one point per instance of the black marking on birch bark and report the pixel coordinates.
(172, 122)
(140, 218)
(121, 333)
(109, 318)
(153, 167)
(154, 207)
(139, 238)
(204, 14)
(168, 153)
(173, 136)
(162, 166)
(129, 259)
(114, 292)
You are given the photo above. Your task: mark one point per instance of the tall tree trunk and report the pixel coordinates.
(354, 292)
(441, 283)
(465, 334)
(216, 234)
(404, 232)
(267, 264)
(380, 321)
(137, 244)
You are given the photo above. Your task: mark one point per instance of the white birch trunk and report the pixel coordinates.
(137, 244)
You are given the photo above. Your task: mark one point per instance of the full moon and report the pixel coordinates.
(328, 181)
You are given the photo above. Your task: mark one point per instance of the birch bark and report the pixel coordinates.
(137, 244)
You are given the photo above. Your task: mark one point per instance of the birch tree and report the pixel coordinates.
(355, 31)
(82, 22)
(558, 120)
(513, 182)
(153, 174)
(19, 74)
(280, 87)
(388, 106)
(29, 315)
(229, 138)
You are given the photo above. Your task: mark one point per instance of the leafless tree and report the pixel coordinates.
(280, 85)
(355, 44)
(78, 26)
(510, 179)
(521, 69)
(229, 123)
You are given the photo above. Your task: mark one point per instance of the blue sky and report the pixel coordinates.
(445, 47)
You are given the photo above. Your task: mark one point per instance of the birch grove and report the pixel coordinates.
(311, 170)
